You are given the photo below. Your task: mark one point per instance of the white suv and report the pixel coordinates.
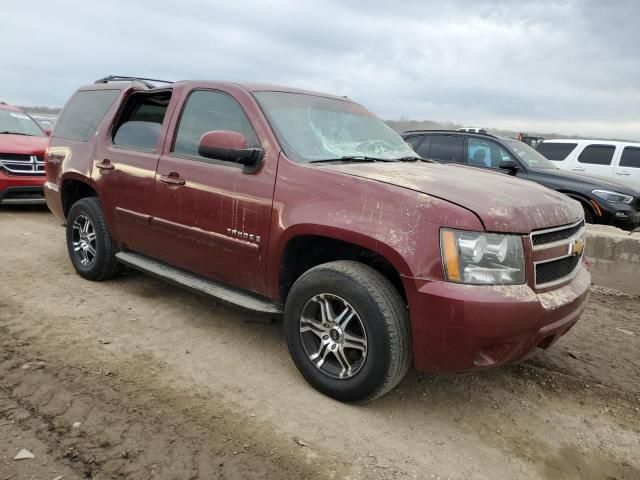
(602, 158)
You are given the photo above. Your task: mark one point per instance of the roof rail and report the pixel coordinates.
(442, 130)
(124, 78)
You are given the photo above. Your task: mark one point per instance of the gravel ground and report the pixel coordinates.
(136, 379)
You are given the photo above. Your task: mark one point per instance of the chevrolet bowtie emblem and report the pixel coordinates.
(577, 247)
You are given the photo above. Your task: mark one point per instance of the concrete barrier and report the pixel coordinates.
(615, 258)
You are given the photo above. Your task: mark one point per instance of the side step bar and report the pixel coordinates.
(219, 291)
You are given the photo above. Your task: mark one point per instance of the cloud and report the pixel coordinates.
(538, 65)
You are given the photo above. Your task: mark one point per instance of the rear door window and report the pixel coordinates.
(446, 148)
(597, 154)
(84, 112)
(140, 121)
(556, 151)
(630, 157)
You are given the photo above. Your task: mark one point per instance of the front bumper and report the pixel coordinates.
(464, 327)
(21, 189)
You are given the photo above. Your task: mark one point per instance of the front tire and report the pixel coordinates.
(588, 214)
(347, 330)
(91, 249)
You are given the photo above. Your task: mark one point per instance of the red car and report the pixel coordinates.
(305, 205)
(22, 147)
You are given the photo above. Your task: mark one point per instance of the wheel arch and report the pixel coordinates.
(585, 201)
(305, 248)
(72, 189)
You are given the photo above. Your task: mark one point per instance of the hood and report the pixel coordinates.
(503, 203)
(23, 144)
(581, 182)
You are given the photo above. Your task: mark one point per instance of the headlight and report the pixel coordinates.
(613, 197)
(482, 258)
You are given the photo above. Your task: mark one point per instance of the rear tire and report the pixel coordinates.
(91, 249)
(347, 330)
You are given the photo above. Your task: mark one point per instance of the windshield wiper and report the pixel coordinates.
(409, 159)
(352, 158)
(8, 132)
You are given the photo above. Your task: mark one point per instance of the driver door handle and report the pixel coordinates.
(579, 169)
(623, 173)
(173, 179)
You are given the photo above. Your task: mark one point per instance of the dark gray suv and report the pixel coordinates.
(604, 201)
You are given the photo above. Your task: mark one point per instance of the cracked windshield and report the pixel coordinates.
(313, 128)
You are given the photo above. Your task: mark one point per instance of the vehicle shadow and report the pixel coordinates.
(24, 209)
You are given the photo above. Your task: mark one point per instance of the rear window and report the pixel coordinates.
(83, 113)
(597, 154)
(630, 157)
(556, 151)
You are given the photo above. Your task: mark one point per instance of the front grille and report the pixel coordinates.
(561, 265)
(20, 164)
(556, 270)
(556, 235)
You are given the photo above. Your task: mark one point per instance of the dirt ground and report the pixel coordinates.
(136, 379)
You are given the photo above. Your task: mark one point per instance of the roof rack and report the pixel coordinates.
(441, 130)
(123, 78)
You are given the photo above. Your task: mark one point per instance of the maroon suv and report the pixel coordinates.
(298, 203)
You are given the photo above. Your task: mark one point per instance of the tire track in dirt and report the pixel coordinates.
(135, 431)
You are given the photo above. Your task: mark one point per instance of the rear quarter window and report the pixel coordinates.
(630, 157)
(414, 141)
(597, 154)
(80, 118)
(556, 151)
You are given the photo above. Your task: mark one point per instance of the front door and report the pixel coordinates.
(211, 217)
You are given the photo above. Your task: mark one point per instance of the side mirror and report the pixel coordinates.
(510, 165)
(230, 146)
(47, 132)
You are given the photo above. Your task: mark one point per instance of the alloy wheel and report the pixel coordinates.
(84, 240)
(333, 336)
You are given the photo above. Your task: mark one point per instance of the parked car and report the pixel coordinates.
(46, 122)
(301, 204)
(601, 158)
(604, 201)
(472, 129)
(22, 147)
(531, 140)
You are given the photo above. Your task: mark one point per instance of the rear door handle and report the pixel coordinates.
(105, 165)
(172, 179)
(579, 169)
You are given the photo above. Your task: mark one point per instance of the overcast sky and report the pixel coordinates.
(570, 67)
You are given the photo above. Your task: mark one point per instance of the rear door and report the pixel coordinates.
(443, 148)
(125, 167)
(211, 217)
(628, 168)
(595, 159)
